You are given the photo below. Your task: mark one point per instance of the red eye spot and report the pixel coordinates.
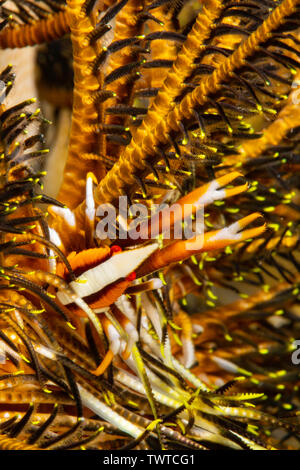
(131, 276)
(115, 249)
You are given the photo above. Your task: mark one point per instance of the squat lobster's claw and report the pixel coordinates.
(214, 240)
(104, 364)
(229, 235)
(115, 340)
(185, 208)
(114, 346)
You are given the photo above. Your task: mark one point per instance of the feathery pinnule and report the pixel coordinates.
(143, 144)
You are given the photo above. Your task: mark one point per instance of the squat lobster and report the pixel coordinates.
(102, 275)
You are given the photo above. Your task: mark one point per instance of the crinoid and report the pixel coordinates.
(126, 335)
